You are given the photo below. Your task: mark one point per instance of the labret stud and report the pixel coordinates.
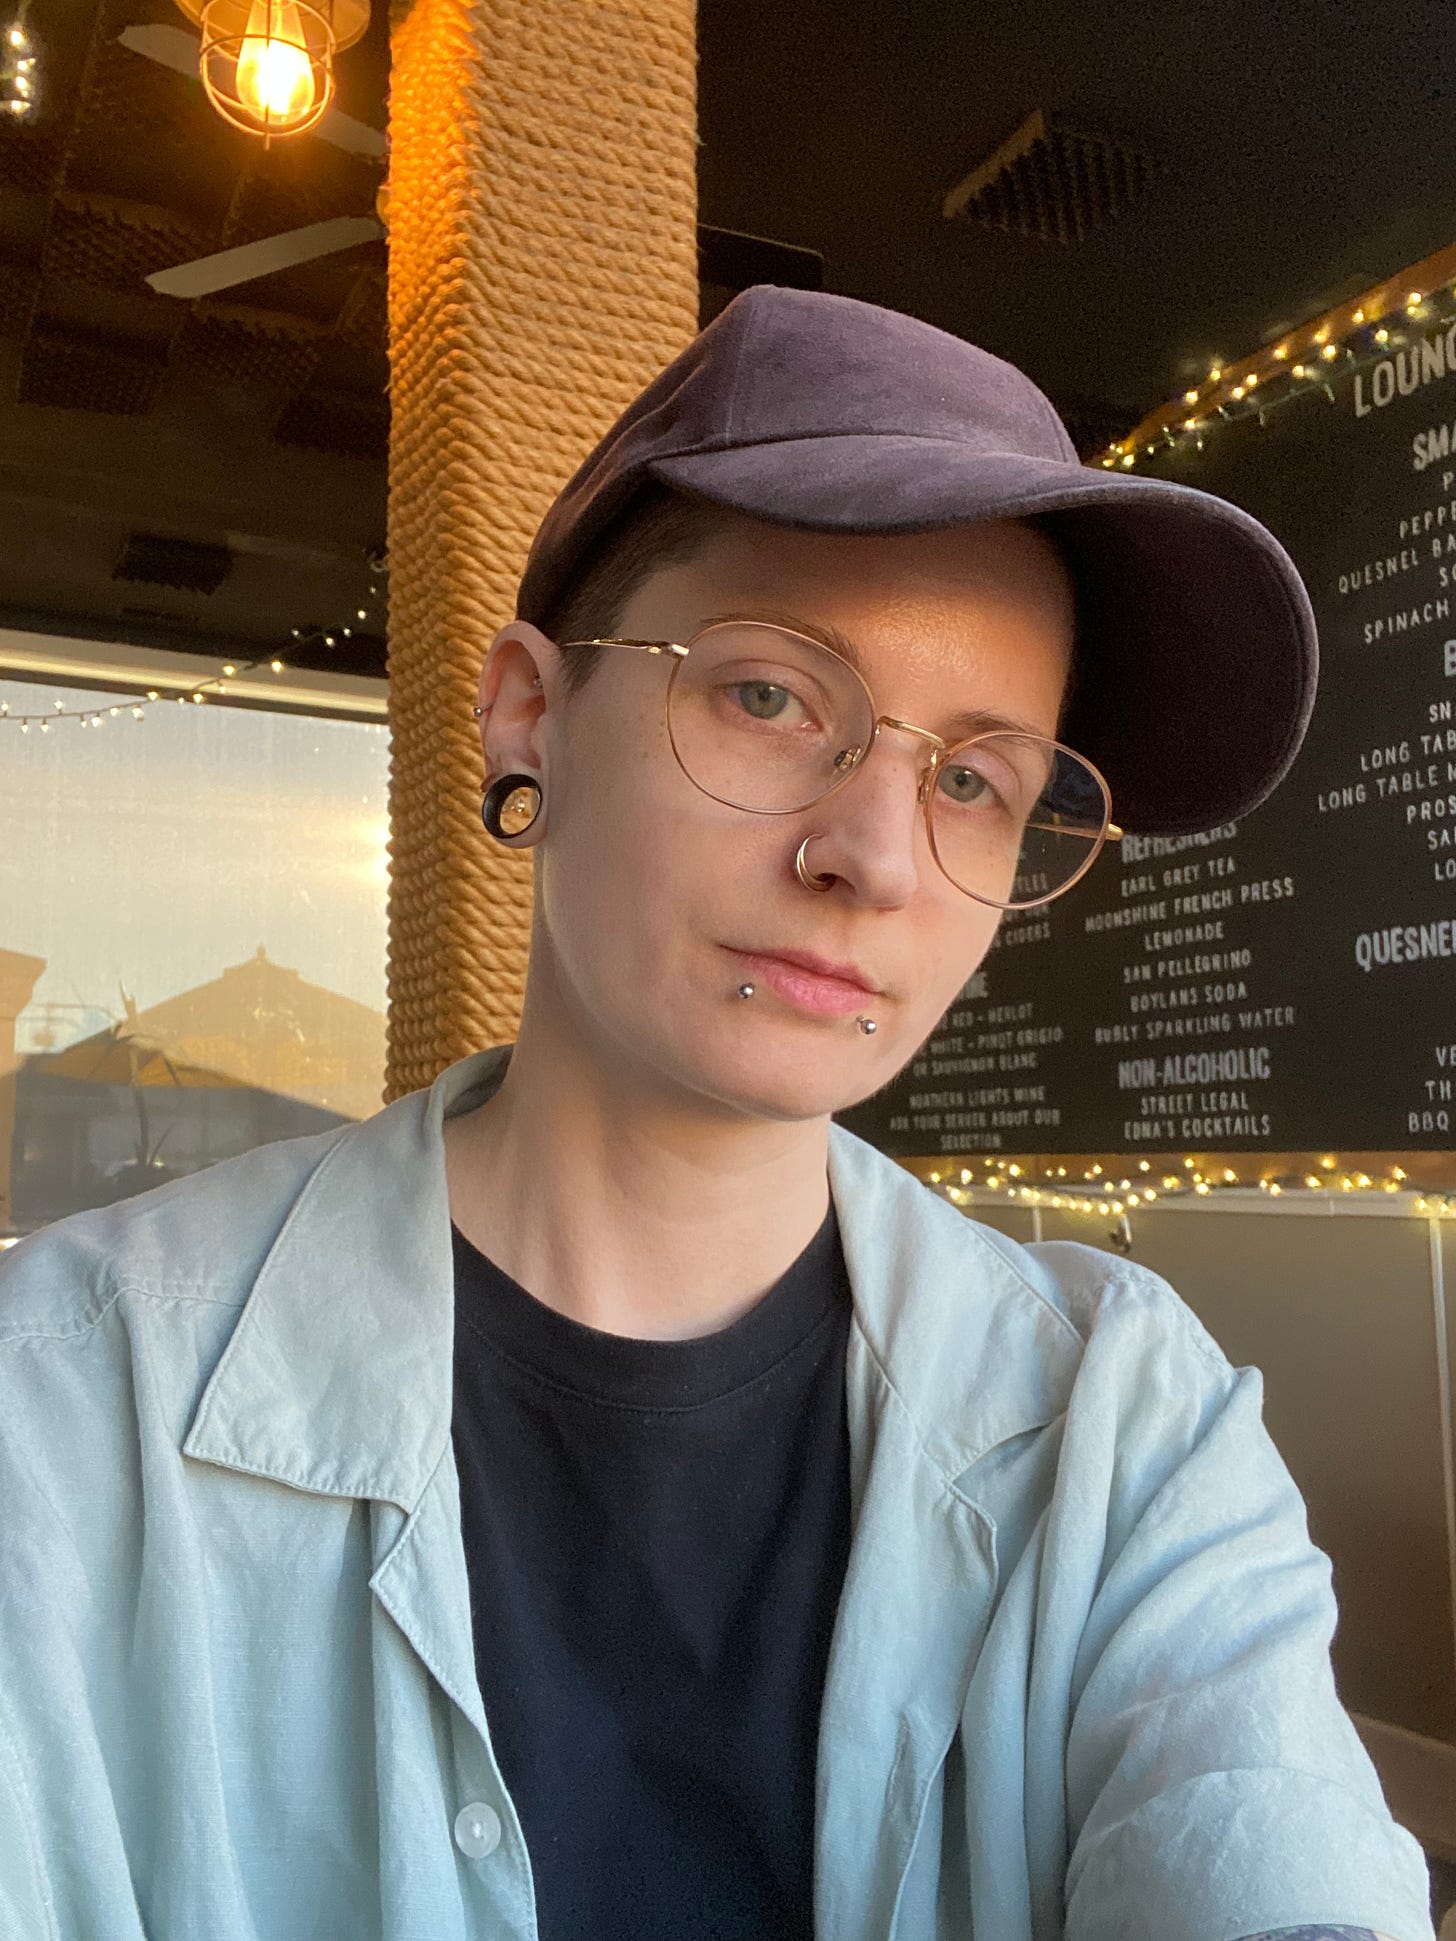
(866, 1025)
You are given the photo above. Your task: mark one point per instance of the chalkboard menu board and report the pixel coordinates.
(1289, 982)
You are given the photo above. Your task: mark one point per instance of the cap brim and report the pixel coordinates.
(1198, 654)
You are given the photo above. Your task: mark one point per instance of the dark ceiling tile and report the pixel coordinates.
(1053, 184)
(72, 372)
(154, 559)
(345, 427)
(19, 285)
(147, 135)
(31, 156)
(113, 245)
(247, 351)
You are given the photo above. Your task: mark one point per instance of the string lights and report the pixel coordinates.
(1356, 336)
(1407, 325)
(195, 693)
(19, 80)
(1113, 1189)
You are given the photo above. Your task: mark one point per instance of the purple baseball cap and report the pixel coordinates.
(1197, 647)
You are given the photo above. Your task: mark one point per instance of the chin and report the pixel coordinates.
(807, 1069)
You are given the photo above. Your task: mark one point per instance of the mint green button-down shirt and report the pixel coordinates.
(1079, 1684)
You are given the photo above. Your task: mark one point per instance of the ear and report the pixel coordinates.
(518, 654)
(511, 703)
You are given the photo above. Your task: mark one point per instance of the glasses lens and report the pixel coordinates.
(764, 719)
(769, 720)
(1015, 819)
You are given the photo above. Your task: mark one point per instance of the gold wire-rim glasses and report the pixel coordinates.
(941, 752)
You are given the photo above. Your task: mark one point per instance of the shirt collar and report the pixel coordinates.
(338, 1375)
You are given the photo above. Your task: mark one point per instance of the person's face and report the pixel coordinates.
(646, 886)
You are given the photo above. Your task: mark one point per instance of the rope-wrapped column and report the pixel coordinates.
(543, 267)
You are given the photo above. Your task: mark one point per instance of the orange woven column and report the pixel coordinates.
(543, 266)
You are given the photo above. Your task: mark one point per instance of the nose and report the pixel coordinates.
(871, 830)
(926, 759)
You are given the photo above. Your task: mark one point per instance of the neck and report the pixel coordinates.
(624, 1200)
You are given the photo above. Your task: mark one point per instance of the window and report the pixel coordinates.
(192, 935)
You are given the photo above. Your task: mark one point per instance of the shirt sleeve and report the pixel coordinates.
(26, 1907)
(1216, 1787)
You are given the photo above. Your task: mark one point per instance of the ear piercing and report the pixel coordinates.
(503, 795)
(479, 711)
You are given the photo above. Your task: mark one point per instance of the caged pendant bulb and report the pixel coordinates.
(274, 73)
(268, 65)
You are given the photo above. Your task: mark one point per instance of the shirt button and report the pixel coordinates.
(477, 1829)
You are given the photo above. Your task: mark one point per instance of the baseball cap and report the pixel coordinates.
(1197, 649)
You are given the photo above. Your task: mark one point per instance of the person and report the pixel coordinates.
(599, 1495)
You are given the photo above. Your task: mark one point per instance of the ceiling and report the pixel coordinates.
(210, 475)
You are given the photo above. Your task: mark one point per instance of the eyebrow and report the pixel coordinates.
(969, 721)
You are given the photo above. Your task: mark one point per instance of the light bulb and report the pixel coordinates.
(275, 75)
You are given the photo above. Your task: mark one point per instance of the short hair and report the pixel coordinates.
(658, 527)
(663, 527)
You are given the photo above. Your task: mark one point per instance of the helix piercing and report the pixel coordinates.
(478, 711)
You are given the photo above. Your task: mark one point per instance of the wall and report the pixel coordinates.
(1345, 1312)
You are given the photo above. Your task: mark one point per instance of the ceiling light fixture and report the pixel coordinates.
(268, 65)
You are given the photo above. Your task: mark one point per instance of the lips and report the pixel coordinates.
(806, 989)
(823, 967)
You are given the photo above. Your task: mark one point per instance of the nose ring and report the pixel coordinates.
(806, 875)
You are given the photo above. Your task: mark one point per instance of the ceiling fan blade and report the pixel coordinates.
(171, 47)
(174, 47)
(734, 259)
(356, 136)
(241, 265)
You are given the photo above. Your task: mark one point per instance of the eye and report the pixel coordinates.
(764, 700)
(978, 782)
(998, 774)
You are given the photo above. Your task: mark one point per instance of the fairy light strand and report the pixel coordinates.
(19, 73)
(1352, 338)
(1303, 362)
(1116, 1190)
(193, 693)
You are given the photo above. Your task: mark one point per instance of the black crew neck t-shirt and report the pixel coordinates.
(656, 1534)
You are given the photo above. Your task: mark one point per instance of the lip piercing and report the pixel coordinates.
(866, 1025)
